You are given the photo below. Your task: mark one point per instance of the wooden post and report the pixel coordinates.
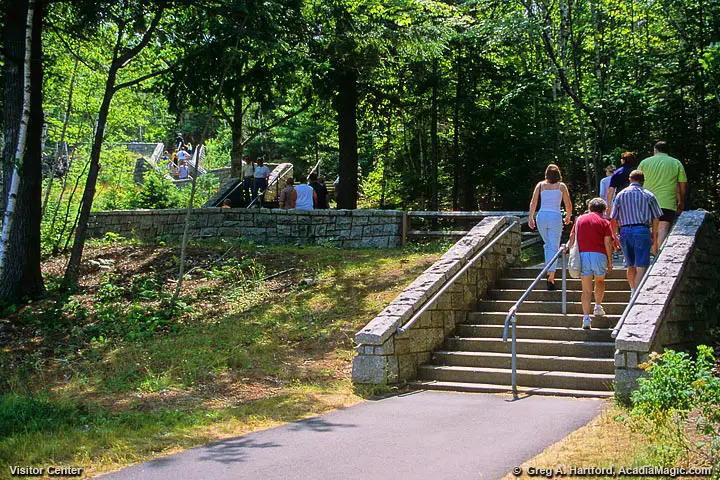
(405, 228)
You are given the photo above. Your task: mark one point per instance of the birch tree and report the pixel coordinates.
(20, 274)
(22, 137)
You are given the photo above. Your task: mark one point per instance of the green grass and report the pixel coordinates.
(94, 381)
(42, 431)
(532, 255)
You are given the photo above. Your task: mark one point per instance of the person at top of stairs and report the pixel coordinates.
(595, 242)
(550, 193)
(636, 217)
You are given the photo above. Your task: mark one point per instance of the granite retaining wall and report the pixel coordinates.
(342, 228)
(386, 357)
(678, 303)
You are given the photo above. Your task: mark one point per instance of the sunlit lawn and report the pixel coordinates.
(245, 354)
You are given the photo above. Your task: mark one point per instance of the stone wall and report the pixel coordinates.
(678, 302)
(386, 357)
(141, 148)
(342, 228)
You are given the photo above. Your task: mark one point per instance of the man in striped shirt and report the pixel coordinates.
(635, 213)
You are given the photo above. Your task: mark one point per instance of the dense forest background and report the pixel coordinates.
(425, 104)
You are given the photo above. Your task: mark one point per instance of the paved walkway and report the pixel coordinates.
(420, 435)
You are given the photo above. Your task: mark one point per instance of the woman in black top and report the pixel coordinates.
(621, 177)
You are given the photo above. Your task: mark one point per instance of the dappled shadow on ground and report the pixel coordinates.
(233, 451)
(319, 424)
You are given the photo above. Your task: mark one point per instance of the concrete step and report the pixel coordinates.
(489, 388)
(532, 272)
(530, 306)
(525, 362)
(565, 348)
(575, 333)
(541, 319)
(540, 294)
(611, 285)
(526, 378)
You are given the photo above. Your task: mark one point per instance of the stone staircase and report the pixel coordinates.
(555, 356)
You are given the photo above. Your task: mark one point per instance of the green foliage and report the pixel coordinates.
(503, 112)
(158, 193)
(217, 149)
(679, 404)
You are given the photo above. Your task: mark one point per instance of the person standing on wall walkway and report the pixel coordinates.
(306, 196)
(183, 171)
(621, 177)
(550, 193)
(605, 184)
(665, 178)
(636, 214)
(248, 173)
(288, 195)
(321, 192)
(594, 237)
(261, 175)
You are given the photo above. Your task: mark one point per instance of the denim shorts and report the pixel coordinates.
(636, 243)
(593, 263)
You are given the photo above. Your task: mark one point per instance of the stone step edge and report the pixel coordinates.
(545, 314)
(558, 278)
(535, 340)
(525, 356)
(535, 302)
(508, 371)
(502, 389)
(558, 291)
(555, 329)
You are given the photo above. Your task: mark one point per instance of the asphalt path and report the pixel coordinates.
(420, 435)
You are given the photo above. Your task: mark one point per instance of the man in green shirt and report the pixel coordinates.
(665, 178)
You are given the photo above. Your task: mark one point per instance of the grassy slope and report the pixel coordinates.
(602, 443)
(103, 379)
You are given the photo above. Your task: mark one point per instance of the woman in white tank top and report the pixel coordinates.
(550, 193)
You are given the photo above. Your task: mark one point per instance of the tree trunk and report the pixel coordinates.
(14, 46)
(236, 154)
(434, 142)
(456, 134)
(386, 161)
(21, 275)
(73, 268)
(346, 107)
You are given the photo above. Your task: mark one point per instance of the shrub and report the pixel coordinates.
(157, 193)
(679, 404)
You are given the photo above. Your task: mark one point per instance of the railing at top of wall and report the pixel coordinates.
(635, 294)
(511, 318)
(528, 238)
(431, 300)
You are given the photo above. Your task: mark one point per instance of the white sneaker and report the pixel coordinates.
(599, 311)
(632, 292)
(586, 323)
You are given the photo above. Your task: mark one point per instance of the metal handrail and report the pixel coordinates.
(635, 294)
(262, 192)
(274, 181)
(418, 314)
(511, 317)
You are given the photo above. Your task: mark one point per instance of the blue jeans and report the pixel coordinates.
(260, 186)
(636, 243)
(549, 225)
